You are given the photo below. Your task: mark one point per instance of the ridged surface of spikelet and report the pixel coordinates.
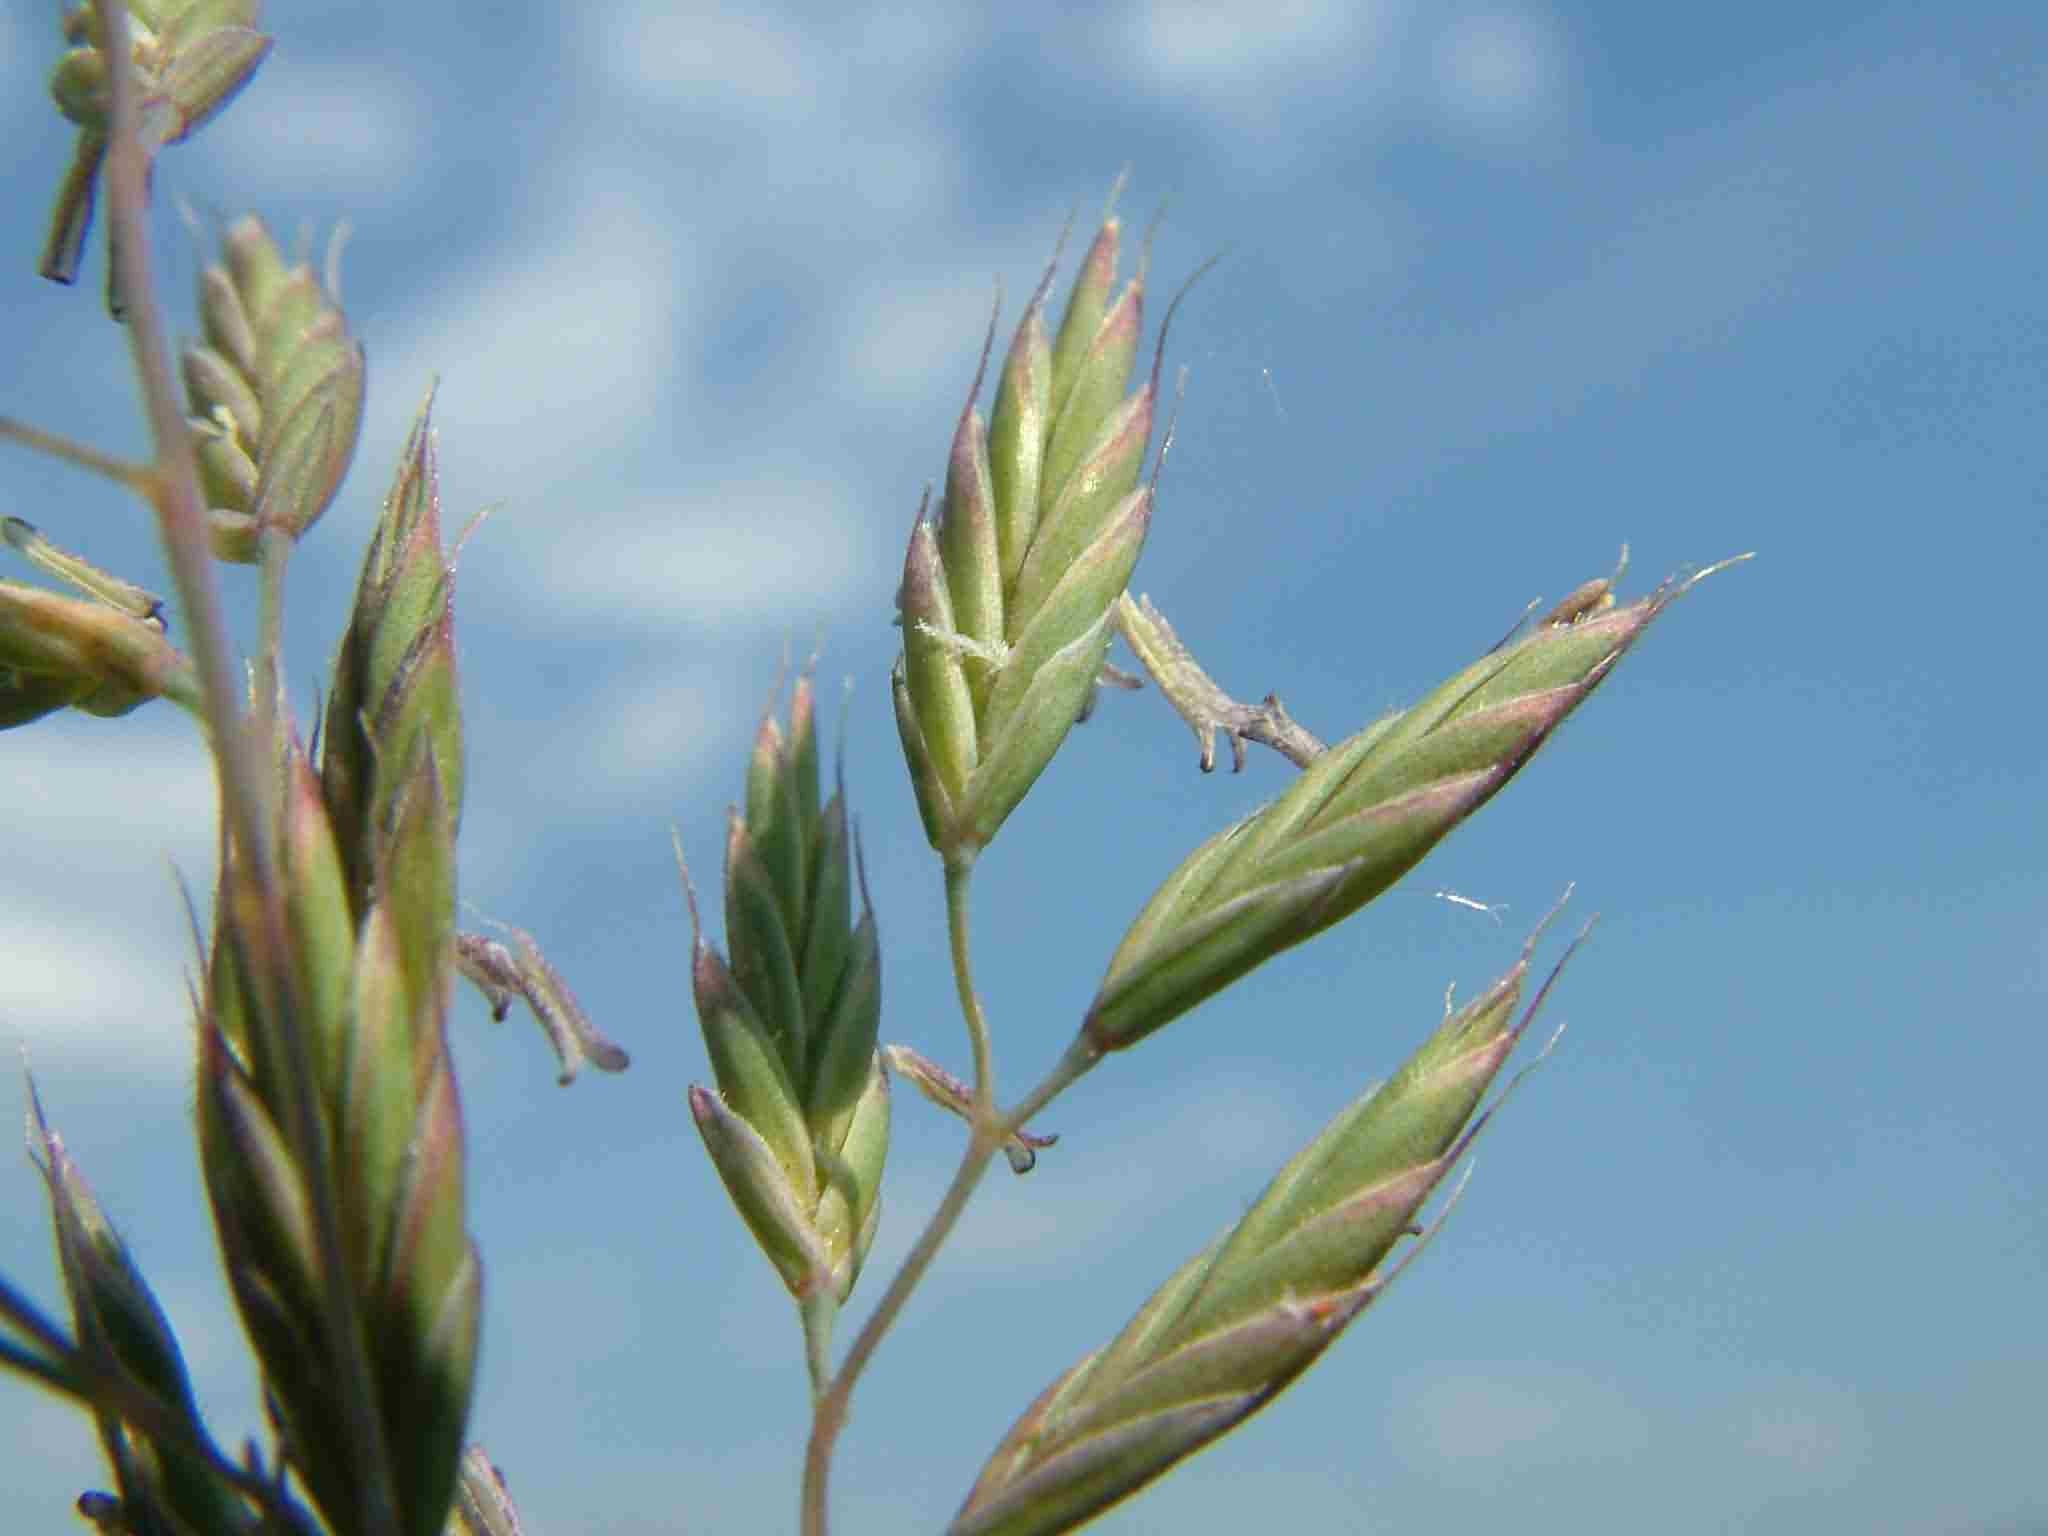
(1359, 817)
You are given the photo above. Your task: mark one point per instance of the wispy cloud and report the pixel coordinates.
(353, 127)
(1501, 80)
(1813, 1431)
(1472, 1425)
(766, 551)
(96, 947)
(550, 354)
(846, 109)
(1234, 53)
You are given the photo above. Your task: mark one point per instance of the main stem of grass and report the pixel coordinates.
(241, 761)
(830, 1416)
(174, 476)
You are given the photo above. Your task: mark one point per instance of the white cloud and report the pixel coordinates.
(1500, 78)
(789, 65)
(553, 358)
(904, 339)
(350, 126)
(842, 107)
(838, 120)
(89, 917)
(710, 57)
(124, 781)
(1495, 79)
(69, 984)
(744, 551)
(1813, 1430)
(1239, 51)
(634, 728)
(1470, 1425)
(1468, 1418)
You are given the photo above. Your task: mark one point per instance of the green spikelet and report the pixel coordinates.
(1361, 815)
(327, 1106)
(799, 1127)
(275, 392)
(1237, 1324)
(1008, 597)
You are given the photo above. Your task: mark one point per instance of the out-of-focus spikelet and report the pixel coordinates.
(343, 965)
(275, 391)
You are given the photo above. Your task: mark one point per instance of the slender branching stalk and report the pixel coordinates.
(174, 475)
(990, 1130)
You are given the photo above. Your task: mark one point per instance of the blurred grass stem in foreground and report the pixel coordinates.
(181, 522)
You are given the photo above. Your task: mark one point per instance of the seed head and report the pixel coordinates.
(1008, 596)
(799, 1127)
(1359, 817)
(1241, 1321)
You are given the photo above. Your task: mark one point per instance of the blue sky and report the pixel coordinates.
(1504, 286)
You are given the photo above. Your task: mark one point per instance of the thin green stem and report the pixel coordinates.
(182, 689)
(241, 760)
(274, 551)
(1079, 1060)
(819, 1311)
(173, 481)
(990, 1131)
(829, 1418)
(957, 877)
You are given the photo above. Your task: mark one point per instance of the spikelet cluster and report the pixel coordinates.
(1008, 596)
(274, 390)
(1239, 1322)
(1361, 815)
(190, 59)
(330, 1130)
(799, 1126)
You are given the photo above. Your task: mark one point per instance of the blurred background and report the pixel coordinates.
(1502, 287)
